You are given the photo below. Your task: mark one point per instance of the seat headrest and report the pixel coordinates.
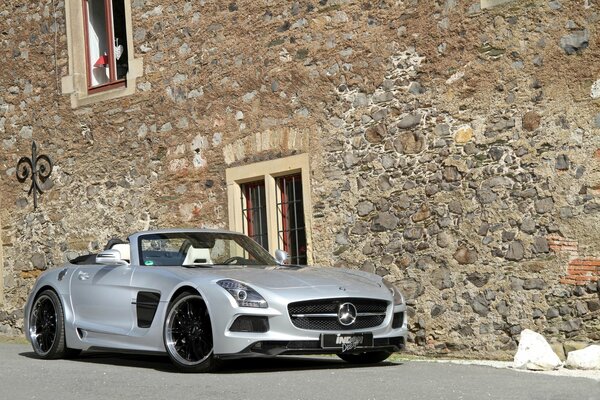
(197, 256)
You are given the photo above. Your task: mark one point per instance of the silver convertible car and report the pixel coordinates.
(204, 295)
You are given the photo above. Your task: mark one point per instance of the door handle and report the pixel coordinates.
(83, 276)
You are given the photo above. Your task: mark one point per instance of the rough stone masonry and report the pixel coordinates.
(453, 149)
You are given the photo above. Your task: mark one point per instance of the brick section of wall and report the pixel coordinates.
(581, 271)
(559, 244)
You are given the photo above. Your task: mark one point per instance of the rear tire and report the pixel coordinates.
(187, 334)
(370, 357)
(47, 326)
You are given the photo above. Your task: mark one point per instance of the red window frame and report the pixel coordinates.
(291, 205)
(112, 65)
(249, 210)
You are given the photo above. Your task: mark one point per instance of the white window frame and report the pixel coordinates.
(269, 171)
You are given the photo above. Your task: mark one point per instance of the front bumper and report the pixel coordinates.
(300, 347)
(283, 337)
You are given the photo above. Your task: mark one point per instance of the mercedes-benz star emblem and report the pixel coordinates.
(347, 314)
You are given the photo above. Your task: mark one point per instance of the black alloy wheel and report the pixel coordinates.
(46, 326)
(188, 334)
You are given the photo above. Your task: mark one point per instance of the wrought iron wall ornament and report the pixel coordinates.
(39, 167)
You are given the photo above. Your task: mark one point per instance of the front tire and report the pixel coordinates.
(47, 326)
(370, 357)
(187, 334)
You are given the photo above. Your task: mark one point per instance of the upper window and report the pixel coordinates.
(101, 54)
(106, 43)
(269, 202)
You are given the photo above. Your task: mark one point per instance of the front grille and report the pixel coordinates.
(321, 315)
(332, 324)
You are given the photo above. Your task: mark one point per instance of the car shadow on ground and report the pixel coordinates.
(290, 363)
(237, 366)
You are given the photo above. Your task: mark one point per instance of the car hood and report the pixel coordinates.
(287, 278)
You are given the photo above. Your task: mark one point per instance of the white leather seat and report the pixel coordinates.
(197, 256)
(124, 249)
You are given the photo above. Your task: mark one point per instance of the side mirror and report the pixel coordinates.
(282, 257)
(110, 257)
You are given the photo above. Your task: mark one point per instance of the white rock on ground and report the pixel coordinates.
(534, 353)
(588, 358)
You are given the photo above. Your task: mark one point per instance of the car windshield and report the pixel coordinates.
(201, 249)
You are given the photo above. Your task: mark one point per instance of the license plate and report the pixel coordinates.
(346, 341)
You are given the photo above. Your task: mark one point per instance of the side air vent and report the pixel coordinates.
(250, 323)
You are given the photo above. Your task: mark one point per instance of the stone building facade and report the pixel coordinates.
(450, 146)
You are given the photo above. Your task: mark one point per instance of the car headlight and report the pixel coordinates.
(243, 294)
(398, 298)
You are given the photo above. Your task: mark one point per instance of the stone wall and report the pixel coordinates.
(453, 149)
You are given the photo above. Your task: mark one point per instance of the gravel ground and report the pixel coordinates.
(101, 376)
(595, 375)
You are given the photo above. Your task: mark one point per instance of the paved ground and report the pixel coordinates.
(110, 376)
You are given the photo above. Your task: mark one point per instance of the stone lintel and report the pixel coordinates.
(493, 3)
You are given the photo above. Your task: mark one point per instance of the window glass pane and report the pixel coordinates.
(254, 212)
(120, 35)
(97, 43)
(291, 225)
